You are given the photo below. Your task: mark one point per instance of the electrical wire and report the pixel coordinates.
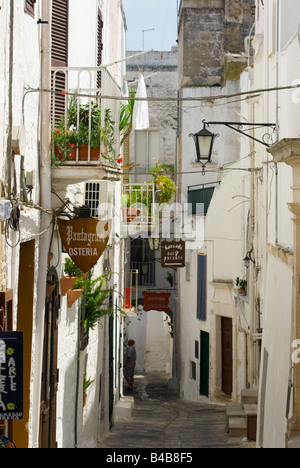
(168, 99)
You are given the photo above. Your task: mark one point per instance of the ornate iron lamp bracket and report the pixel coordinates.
(239, 127)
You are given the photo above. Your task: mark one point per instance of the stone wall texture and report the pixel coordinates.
(209, 32)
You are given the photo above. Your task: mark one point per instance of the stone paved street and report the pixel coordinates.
(162, 420)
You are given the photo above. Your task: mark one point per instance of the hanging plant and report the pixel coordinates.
(163, 177)
(98, 301)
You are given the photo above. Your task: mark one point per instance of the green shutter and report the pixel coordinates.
(202, 196)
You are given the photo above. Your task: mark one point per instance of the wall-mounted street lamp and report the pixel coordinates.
(204, 140)
(248, 259)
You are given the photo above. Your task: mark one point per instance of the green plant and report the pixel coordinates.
(125, 201)
(97, 301)
(83, 126)
(164, 181)
(170, 278)
(71, 269)
(87, 383)
(107, 136)
(139, 195)
(126, 116)
(241, 284)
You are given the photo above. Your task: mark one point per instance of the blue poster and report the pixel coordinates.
(11, 375)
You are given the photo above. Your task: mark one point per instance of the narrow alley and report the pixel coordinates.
(162, 420)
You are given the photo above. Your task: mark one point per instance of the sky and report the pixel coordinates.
(148, 14)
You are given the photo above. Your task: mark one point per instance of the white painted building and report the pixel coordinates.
(53, 384)
(214, 322)
(250, 212)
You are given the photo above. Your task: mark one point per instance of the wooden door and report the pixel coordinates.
(204, 364)
(50, 372)
(25, 324)
(227, 371)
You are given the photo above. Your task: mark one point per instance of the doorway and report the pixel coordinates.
(50, 371)
(204, 364)
(227, 369)
(25, 324)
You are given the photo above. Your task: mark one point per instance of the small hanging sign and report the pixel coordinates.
(11, 375)
(156, 301)
(173, 254)
(84, 240)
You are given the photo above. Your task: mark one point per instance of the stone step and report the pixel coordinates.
(237, 427)
(250, 410)
(249, 397)
(233, 410)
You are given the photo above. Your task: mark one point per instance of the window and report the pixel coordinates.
(199, 199)
(29, 7)
(201, 287)
(147, 148)
(142, 259)
(59, 51)
(193, 370)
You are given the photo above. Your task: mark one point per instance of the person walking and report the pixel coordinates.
(129, 364)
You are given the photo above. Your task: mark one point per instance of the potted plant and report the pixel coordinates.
(73, 273)
(86, 385)
(129, 213)
(242, 286)
(164, 182)
(138, 201)
(170, 278)
(82, 127)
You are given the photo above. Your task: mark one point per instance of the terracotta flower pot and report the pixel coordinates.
(130, 214)
(73, 295)
(83, 154)
(67, 282)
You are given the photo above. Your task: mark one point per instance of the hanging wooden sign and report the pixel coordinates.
(173, 254)
(11, 375)
(85, 240)
(156, 301)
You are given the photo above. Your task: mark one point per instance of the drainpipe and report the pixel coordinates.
(252, 291)
(277, 121)
(45, 202)
(10, 98)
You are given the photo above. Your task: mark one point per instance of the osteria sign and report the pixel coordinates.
(85, 240)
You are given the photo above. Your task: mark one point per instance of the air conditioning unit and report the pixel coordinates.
(100, 197)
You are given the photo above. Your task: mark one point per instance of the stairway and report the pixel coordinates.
(241, 418)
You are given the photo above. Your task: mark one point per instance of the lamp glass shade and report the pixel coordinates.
(204, 144)
(247, 261)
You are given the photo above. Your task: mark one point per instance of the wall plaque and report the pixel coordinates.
(173, 254)
(85, 240)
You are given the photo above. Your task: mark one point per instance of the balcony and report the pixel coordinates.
(139, 210)
(85, 133)
(146, 273)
